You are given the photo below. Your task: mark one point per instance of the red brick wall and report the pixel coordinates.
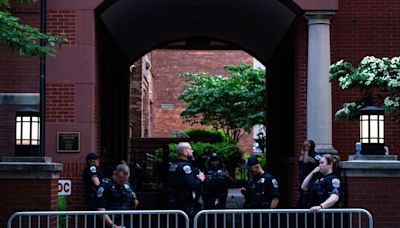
(135, 103)
(73, 171)
(167, 64)
(361, 28)
(379, 196)
(26, 195)
(300, 101)
(62, 22)
(60, 103)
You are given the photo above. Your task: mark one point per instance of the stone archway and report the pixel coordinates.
(126, 30)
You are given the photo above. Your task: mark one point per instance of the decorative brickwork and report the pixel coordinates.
(60, 101)
(62, 22)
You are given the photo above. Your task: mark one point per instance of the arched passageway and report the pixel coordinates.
(126, 30)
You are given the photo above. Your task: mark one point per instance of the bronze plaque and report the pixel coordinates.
(68, 141)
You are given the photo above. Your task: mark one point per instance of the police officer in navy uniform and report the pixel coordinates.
(216, 184)
(308, 160)
(185, 182)
(117, 194)
(262, 190)
(324, 186)
(91, 178)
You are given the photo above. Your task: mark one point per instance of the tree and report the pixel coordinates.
(233, 104)
(24, 38)
(379, 83)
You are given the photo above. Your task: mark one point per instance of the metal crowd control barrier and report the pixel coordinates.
(277, 218)
(90, 219)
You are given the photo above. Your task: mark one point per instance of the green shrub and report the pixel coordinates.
(62, 206)
(210, 134)
(230, 153)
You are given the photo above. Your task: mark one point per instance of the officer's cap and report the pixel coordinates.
(214, 157)
(251, 161)
(92, 156)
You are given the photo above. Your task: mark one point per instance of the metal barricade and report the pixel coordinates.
(90, 219)
(277, 218)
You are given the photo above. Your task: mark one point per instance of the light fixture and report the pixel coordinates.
(27, 132)
(372, 131)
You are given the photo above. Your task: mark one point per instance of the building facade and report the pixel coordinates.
(91, 85)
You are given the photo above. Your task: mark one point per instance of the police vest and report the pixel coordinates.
(216, 185)
(114, 197)
(262, 190)
(183, 185)
(323, 187)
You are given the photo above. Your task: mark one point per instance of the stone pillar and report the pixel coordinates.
(27, 184)
(372, 182)
(319, 98)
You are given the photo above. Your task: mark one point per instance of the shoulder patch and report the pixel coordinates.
(127, 186)
(335, 183)
(93, 169)
(317, 157)
(172, 167)
(187, 169)
(100, 192)
(275, 183)
(262, 180)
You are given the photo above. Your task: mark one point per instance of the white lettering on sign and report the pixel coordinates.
(64, 187)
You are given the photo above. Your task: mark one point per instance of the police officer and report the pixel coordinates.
(308, 160)
(216, 184)
(262, 190)
(323, 184)
(91, 178)
(185, 182)
(117, 194)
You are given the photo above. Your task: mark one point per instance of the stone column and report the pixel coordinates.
(319, 99)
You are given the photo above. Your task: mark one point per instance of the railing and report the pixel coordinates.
(90, 219)
(264, 218)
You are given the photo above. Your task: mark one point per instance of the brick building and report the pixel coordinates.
(92, 89)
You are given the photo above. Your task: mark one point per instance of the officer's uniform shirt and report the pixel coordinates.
(217, 185)
(90, 187)
(322, 187)
(261, 190)
(184, 186)
(114, 197)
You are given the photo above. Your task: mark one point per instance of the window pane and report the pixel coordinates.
(34, 142)
(26, 131)
(374, 129)
(364, 117)
(381, 130)
(26, 118)
(35, 119)
(374, 117)
(18, 130)
(18, 119)
(25, 142)
(35, 131)
(364, 128)
(374, 140)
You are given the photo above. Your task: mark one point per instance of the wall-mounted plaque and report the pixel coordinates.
(68, 141)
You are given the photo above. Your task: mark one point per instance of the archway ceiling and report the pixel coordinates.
(256, 26)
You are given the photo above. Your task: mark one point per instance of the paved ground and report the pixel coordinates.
(235, 199)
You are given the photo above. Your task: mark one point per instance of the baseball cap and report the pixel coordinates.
(214, 157)
(92, 156)
(251, 161)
